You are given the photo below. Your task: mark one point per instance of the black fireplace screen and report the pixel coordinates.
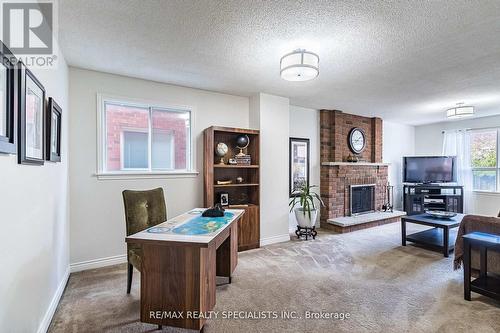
(362, 199)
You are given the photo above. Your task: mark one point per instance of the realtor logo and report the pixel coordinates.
(28, 27)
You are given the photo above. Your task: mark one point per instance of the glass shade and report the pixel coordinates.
(299, 65)
(460, 111)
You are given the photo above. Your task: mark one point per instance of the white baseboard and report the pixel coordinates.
(47, 318)
(98, 263)
(274, 239)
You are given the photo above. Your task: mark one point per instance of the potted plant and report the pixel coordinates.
(307, 212)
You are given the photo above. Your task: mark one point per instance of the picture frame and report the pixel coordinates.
(299, 164)
(31, 118)
(224, 199)
(53, 131)
(7, 101)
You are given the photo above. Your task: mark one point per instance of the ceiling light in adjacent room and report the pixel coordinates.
(299, 65)
(460, 111)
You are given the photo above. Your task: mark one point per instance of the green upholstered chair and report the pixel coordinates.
(143, 209)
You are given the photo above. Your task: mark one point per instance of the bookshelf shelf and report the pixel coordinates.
(235, 185)
(225, 166)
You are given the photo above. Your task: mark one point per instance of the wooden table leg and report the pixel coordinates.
(403, 232)
(467, 270)
(227, 254)
(446, 239)
(483, 272)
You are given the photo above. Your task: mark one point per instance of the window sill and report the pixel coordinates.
(486, 193)
(146, 175)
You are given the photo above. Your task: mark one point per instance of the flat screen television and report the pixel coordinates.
(429, 169)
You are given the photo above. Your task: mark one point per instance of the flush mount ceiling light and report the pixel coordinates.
(460, 111)
(299, 65)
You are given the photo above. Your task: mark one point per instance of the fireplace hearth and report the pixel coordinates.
(362, 199)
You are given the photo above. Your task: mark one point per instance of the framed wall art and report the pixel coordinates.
(7, 93)
(53, 131)
(298, 164)
(31, 137)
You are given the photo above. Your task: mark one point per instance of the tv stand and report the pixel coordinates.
(419, 198)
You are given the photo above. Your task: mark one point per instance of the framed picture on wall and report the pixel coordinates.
(53, 131)
(298, 164)
(7, 93)
(31, 118)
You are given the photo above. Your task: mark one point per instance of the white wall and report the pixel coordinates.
(35, 229)
(398, 141)
(97, 217)
(429, 141)
(304, 123)
(271, 115)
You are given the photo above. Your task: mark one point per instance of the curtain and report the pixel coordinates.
(457, 143)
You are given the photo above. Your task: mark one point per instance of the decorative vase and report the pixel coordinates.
(303, 220)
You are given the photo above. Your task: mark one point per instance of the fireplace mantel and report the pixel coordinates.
(354, 164)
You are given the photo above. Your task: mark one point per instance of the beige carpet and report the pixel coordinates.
(383, 286)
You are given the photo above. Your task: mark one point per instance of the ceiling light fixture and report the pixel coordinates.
(460, 111)
(299, 65)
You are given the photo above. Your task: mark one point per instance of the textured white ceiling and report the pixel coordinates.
(405, 61)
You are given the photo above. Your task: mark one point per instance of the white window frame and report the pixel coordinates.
(103, 174)
(497, 168)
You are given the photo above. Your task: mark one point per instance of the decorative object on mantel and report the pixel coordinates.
(224, 182)
(221, 150)
(388, 206)
(242, 142)
(307, 214)
(357, 140)
(460, 111)
(299, 65)
(352, 159)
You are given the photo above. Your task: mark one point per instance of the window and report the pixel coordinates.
(144, 139)
(484, 160)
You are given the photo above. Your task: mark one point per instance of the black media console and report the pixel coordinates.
(419, 198)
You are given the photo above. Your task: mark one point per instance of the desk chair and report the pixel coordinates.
(143, 209)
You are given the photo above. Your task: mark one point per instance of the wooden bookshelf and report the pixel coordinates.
(245, 195)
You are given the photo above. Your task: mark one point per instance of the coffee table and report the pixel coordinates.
(441, 236)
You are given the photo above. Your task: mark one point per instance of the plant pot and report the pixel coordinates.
(303, 220)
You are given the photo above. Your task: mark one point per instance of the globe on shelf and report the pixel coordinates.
(242, 142)
(221, 150)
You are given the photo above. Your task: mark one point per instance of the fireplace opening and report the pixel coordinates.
(362, 199)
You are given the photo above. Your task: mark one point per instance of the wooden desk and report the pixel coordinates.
(178, 272)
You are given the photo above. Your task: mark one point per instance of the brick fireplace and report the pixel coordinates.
(339, 176)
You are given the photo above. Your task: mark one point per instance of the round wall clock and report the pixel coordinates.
(357, 140)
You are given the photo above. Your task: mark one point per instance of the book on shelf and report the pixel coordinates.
(243, 160)
(224, 182)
